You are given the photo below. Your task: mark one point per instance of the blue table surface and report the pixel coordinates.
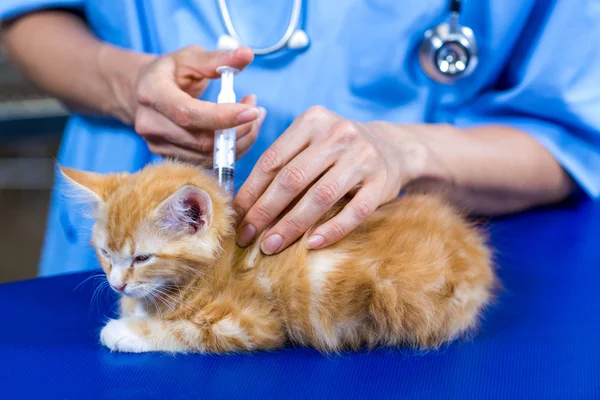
(541, 339)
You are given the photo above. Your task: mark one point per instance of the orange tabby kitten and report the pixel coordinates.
(414, 274)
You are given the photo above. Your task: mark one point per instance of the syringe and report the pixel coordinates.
(224, 152)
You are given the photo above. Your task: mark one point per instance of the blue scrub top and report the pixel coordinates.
(539, 71)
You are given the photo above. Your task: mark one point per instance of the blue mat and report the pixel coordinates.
(540, 341)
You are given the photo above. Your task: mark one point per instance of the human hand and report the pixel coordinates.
(170, 118)
(328, 157)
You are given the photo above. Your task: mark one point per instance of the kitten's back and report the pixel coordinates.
(416, 272)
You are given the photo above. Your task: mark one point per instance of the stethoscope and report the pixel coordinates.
(447, 53)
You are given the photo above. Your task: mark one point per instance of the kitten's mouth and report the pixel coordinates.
(145, 290)
(151, 290)
(137, 292)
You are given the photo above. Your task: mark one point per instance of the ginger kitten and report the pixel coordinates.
(414, 274)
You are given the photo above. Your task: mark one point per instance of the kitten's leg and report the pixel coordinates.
(139, 335)
(213, 332)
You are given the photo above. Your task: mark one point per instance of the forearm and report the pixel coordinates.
(58, 52)
(490, 170)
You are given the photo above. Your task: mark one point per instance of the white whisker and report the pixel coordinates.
(156, 306)
(175, 300)
(171, 306)
(88, 278)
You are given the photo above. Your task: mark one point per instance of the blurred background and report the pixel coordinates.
(31, 124)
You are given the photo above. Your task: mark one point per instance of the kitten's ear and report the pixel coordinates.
(188, 210)
(87, 187)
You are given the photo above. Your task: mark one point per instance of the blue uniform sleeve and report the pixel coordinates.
(550, 88)
(14, 8)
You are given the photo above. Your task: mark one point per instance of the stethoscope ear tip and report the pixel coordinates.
(298, 40)
(227, 43)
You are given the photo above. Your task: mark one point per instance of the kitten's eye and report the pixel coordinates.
(104, 252)
(143, 257)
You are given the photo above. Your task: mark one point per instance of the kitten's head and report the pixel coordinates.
(157, 228)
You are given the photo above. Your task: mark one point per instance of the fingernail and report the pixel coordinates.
(252, 100)
(263, 114)
(248, 115)
(315, 241)
(271, 244)
(246, 235)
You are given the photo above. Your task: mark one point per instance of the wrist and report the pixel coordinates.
(421, 149)
(445, 167)
(438, 140)
(120, 70)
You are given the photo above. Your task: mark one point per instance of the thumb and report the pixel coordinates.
(206, 62)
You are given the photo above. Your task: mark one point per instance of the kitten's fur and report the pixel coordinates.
(414, 274)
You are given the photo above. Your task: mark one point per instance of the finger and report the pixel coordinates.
(244, 144)
(352, 192)
(290, 182)
(205, 63)
(156, 127)
(244, 148)
(354, 213)
(280, 153)
(160, 146)
(241, 130)
(160, 90)
(150, 124)
(191, 113)
(246, 128)
(171, 150)
(249, 99)
(320, 198)
(163, 94)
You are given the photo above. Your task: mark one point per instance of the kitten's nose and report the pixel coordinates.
(119, 288)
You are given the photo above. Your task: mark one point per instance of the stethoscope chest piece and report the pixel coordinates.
(448, 52)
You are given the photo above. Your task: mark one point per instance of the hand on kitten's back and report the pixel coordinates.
(415, 273)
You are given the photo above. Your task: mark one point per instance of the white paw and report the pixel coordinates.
(117, 335)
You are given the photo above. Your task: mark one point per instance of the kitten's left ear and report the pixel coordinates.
(88, 187)
(189, 210)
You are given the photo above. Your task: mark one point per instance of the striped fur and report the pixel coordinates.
(416, 273)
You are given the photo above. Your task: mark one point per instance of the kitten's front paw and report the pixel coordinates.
(121, 335)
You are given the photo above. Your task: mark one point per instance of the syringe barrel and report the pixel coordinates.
(224, 148)
(225, 177)
(224, 158)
